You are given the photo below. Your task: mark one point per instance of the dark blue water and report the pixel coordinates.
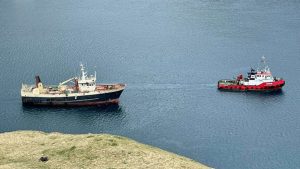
(170, 54)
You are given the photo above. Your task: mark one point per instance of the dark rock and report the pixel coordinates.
(44, 159)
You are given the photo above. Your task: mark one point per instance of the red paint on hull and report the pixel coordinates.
(271, 86)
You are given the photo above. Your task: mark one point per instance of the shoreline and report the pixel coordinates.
(23, 149)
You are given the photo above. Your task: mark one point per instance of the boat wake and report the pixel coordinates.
(159, 86)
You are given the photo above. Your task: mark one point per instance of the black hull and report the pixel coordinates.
(88, 100)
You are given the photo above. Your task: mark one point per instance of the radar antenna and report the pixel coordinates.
(263, 64)
(83, 73)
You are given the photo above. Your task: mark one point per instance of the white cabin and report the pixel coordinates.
(86, 83)
(262, 75)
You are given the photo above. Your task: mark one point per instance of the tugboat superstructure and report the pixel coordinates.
(257, 80)
(84, 92)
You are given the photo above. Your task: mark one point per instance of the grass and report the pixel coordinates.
(22, 149)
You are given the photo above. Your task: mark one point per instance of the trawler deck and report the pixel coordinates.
(55, 91)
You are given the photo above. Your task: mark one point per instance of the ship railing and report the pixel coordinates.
(277, 78)
(227, 82)
(109, 86)
(27, 88)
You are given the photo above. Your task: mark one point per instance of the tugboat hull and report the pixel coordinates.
(85, 100)
(233, 85)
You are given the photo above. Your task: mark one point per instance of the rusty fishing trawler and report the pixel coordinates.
(84, 92)
(257, 80)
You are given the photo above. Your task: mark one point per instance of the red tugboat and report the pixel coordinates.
(257, 80)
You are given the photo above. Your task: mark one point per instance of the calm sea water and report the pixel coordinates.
(170, 53)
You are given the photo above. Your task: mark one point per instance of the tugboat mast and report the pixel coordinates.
(263, 65)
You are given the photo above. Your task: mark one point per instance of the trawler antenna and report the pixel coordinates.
(83, 73)
(95, 72)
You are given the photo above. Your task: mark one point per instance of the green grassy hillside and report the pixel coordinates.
(23, 149)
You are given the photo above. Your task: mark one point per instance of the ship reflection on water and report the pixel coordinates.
(279, 92)
(266, 94)
(254, 99)
(103, 108)
(79, 119)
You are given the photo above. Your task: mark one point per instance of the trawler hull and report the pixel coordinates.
(83, 100)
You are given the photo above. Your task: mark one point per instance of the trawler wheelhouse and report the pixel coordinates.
(86, 83)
